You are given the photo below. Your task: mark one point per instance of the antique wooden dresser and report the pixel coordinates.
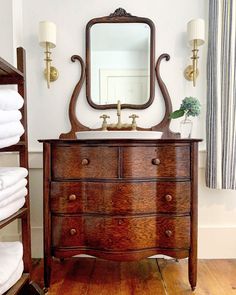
(120, 200)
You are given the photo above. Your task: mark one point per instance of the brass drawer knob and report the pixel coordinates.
(73, 232)
(168, 198)
(85, 162)
(72, 197)
(156, 161)
(168, 233)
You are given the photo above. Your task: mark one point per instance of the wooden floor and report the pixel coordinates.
(88, 276)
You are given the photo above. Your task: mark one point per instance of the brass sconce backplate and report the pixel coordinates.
(54, 74)
(188, 73)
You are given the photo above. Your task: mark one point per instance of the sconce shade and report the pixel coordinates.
(196, 31)
(47, 33)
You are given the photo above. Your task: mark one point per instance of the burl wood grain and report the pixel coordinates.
(141, 162)
(74, 162)
(120, 197)
(121, 233)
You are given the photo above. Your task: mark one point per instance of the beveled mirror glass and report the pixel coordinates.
(120, 62)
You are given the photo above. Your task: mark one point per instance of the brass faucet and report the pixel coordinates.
(119, 125)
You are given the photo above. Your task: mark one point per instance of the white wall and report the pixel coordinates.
(48, 108)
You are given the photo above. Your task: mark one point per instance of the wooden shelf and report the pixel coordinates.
(14, 148)
(9, 74)
(16, 289)
(19, 214)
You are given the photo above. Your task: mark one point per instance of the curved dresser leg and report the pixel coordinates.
(47, 273)
(192, 270)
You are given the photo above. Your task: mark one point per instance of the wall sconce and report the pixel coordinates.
(196, 38)
(47, 39)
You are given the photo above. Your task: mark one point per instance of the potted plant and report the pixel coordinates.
(190, 107)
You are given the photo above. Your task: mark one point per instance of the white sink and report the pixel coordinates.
(118, 135)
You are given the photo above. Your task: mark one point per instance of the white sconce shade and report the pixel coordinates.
(47, 33)
(196, 31)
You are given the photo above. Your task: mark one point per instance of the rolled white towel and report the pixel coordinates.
(10, 100)
(5, 142)
(11, 175)
(18, 195)
(9, 191)
(9, 116)
(11, 254)
(13, 278)
(11, 129)
(11, 208)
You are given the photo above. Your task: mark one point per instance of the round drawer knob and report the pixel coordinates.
(168, 198)
(156, 161)
(168, 233)
(120, 221)
(72, 197)
(85, 162)
(73, 231)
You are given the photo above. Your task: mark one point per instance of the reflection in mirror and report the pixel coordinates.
(120, 63)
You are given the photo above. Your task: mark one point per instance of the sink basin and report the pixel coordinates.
(118, 135)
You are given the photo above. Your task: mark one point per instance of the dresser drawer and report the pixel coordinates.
(120, 197)
(75, 162)
(151, 162)
(121, 233)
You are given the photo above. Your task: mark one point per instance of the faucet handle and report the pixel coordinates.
(134, 124)
(104, 117)
(104, 123)
(134, 116)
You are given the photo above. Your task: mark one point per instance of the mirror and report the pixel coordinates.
(120, 62)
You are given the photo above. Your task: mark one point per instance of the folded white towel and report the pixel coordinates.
(9, 116)
(18, 195)
(11, 254)
(11, 175)
(9, 141)
(13, 278)
(11, 129)
(9, 191)
(10, 100)
(11, 208)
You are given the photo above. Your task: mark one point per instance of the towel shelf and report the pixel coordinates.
(19, 214)
(16, 289)
(14, 148)
(11, 75)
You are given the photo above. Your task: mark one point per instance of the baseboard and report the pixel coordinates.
(213, 242)
(217, 242)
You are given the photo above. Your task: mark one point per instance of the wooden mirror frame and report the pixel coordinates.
(163, 126)
(120, 16)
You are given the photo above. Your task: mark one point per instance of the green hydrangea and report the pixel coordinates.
(190, 106)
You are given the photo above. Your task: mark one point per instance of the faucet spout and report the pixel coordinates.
(119, 114)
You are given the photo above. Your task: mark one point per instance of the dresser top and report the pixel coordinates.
(121, 141)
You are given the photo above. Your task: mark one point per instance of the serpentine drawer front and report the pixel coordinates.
(161, 161)
(120, 199)
(121, 233)
(74, 162)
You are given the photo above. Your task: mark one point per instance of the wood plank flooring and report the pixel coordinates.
(89, 276)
